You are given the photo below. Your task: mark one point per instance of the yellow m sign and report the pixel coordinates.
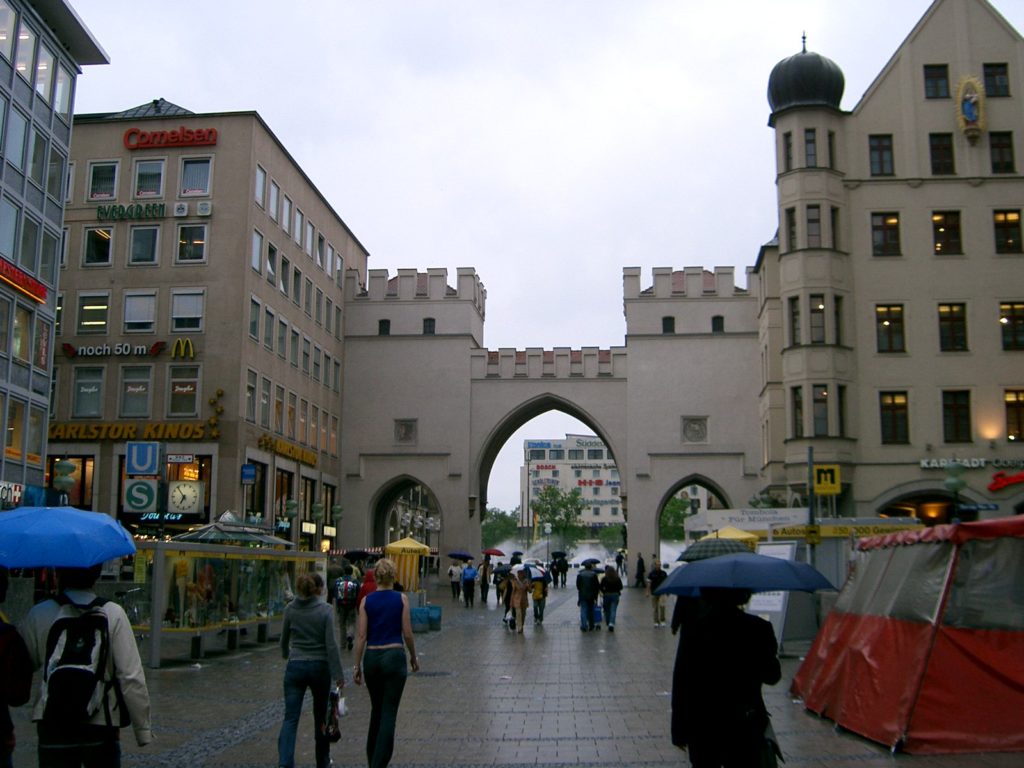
(183, 349)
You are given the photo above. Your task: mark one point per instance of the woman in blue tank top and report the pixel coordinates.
(383, 626)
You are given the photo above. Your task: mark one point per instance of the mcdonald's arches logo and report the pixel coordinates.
(183, 349)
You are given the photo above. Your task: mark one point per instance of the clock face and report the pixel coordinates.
(184, 496)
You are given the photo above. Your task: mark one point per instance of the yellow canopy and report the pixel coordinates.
(729, 532)
(406, 546)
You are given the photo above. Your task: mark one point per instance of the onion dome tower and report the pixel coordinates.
(805, 79)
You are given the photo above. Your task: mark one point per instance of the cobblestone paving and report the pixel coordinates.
(485, 698)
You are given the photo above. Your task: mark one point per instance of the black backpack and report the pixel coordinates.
(75, 686)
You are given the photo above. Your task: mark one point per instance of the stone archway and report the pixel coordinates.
(405, 506)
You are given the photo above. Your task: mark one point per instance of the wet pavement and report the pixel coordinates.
(553, 696)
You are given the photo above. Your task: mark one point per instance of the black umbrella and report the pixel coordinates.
(557, 554)
(591, 561)
(711, 547)
(459, 554)
(355, 554)
(516, 553)
(744, 570)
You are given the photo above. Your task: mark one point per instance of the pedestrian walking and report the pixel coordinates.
(611, 590)
(346, 590)
(469, 576)
(485, 579)
(641, 572)
(15, 677)
(654, 579)
(384, 625)
(520, 597)
(314, 660)
(540, 599)
(563, 570)
(587, 590)
(369, 585)
(78, 617)
(724, 657)
(455, 577)
(620, 563)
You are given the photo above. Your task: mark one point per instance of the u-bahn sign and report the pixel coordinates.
(826, 480)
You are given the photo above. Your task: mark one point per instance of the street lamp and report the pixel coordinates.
(547, 534)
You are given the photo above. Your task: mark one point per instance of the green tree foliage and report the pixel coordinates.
(563, 510)
(611, 536)
(499, 526)
(672, 517)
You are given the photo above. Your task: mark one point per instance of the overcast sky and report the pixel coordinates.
(546, 143)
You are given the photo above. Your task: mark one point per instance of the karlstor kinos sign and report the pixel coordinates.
(136, 138)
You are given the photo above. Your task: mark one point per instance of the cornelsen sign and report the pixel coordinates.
(136, 138)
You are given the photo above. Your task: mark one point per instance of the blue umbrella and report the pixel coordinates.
(745, 570)
(60, 537)
(460, 555)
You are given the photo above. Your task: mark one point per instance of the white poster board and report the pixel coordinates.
(772, 606)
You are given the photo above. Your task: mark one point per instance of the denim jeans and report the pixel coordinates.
(384, 670)
(586, 614)
(298, 676)
(611, 607)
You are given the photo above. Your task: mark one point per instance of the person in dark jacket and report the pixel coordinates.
(587, 590)
(725, 655)
(654, 580)
(641, 572)
(15, 678)
(611, 589)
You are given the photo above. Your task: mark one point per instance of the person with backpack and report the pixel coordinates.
(15, 678)
(346, 590)
(469, 574)
(93, 683)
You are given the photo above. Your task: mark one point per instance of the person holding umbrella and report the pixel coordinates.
(485, 578)
(455, 577)
(520, 595)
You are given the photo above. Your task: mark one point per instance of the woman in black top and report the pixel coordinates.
(611, 589)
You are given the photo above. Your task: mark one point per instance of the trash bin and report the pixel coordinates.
(420, 619)
(434, 612)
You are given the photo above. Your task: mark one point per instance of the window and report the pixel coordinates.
(256, 254)
(383, 327)
(820, 409)
(336, 386)
(293, 354)
(895, 416)
(149, 178)
(1011, 318)
(595, 454)
(92, 312)
(37, 157)
(25, 55)
(7, 19)
(143, 247)
(183, 391)
(794, 321)
(668, 325)
(62, 93)
(292, 408)
(791, 229)
(337, 322)
(297, 224)
(306, 354)
(191, 243)
(135, 391)
(254, 319)
(956, 416)
(1014, 399)
(318, 307)
(429, 326)
(880, 154)
(261, 186)
(814, 226)
(303, 419)
(787, 151)
(885, 234)
(187, 310)
(21, 339)
(251, 380)
(717, 324)
(946, 233)
(997, 80)
(321, 245)
(282, 338)
(88, 396)
(334, 436)
(831, 149)
(810, 147)
(97, 246)
(327, 370)
(940, 148)
(1000, 145)
(55, 174)
(102, 181)
(329, 315)
(841, 411)
(575, 454)
(8, 228)
(936, 81)
(837, 318)
(1007, 231)
(307, 245)
(317, 360)
(296, 286)
(796, 398)
(28, 249)
(953, 327)
(284, 282)
(314, 425)
(41, 348)
(286, 214)
(269, 326)
(889, 328)
(14, 146)
(274, 200)
(265, 402)
(271, 264)
(833, 223)
(139, 312)
(58, 319)
(195, 176)
(307, 302)
(36, 433)
(817, 326)
(279, 409)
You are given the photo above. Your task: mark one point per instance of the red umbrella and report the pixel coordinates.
(494, 552)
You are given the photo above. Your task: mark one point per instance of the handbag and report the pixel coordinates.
(335, 704)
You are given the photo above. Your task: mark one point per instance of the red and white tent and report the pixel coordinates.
(924, 650)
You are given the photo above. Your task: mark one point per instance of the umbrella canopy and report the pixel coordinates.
(60, 537)
(460, 555)
(729, 532)
(557, 554)
(406, 546)
(536, 572)
(517, 553)
(591, 561)
(220, 533)
(494, 552)
(356, 554)
(708, 547)
(743, 570)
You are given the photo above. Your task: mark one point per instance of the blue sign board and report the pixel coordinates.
(978, 507)
(142, 458)
(248, 474)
